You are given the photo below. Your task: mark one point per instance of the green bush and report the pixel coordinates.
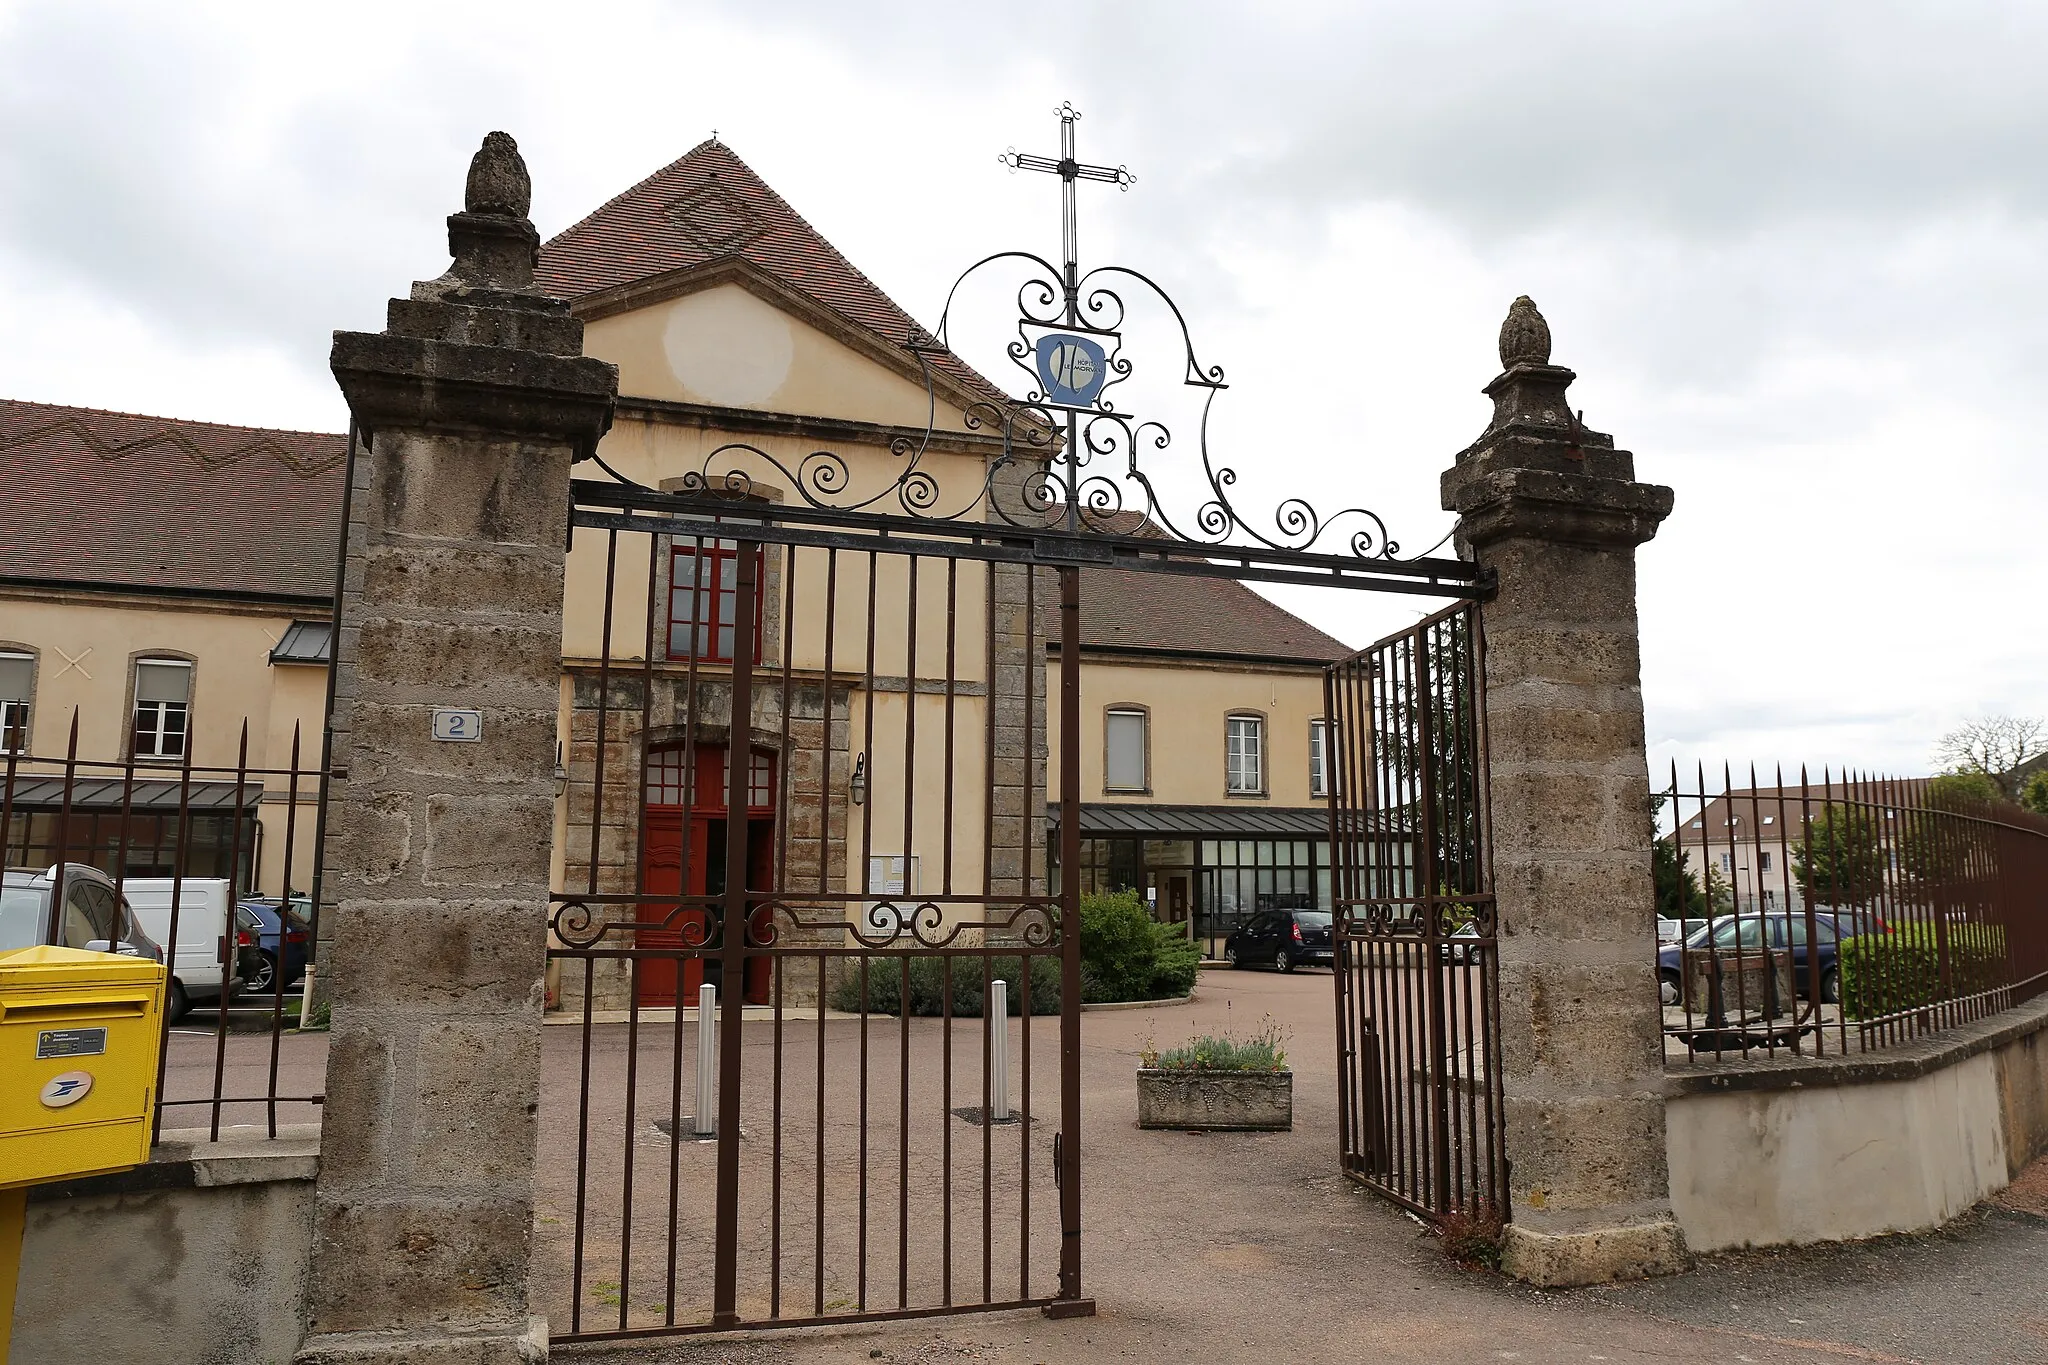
(928, 985)
(1128, 955)
(1125, 955)
(1889, 973)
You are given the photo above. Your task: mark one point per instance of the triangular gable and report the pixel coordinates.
(653, 241)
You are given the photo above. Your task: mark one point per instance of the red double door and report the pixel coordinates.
(683, 852)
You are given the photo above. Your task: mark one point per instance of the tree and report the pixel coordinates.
(1961, 790)
(2034, 795)
(1841, 860)
(1993, 746)
(1678, 891)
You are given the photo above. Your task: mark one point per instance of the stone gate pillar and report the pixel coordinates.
(470, 406)
(1555, 511)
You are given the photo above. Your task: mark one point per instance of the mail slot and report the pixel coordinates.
(80, 1033)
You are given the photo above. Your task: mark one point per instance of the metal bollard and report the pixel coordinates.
(702, 1123)
(996, 1025)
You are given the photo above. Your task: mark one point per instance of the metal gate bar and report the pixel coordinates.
(1419, 1105)
(802, 943)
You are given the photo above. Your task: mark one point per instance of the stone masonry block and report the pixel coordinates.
(479, 1092)
(514, 662)
(361, 1069)
(477, 490)
(482, 955)
(487, 842)
(460, 580)
(415, 1259)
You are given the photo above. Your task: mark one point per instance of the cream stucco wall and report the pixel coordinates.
(1817, 1157)
(1187, 702)
(727, 347)
(86, 645)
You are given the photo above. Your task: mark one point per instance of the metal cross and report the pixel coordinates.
(1069, 169)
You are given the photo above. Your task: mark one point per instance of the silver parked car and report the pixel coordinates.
(95, 916)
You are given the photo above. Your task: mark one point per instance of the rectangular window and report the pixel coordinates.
(163, 704)
(1765, 864)
(703, 599)
(17, 689)
(1124, 751)
(1318, 758)
(1245, 755)
(1726, 862)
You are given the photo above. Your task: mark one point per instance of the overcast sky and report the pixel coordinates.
(1797, 254)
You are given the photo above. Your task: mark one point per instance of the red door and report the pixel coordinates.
(662, 855)
(668, 872)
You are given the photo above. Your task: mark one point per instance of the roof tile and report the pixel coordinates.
(156, 502)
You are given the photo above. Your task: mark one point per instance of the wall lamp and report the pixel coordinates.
(858, 787)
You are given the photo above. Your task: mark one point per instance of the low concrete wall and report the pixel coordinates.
(1815, 1150)
(199, 1257)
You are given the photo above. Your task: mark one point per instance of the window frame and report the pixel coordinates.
(1260, 788)
(135, 704)
(716, 551)
(1321, 786)
(1144, 716)
(20, 723)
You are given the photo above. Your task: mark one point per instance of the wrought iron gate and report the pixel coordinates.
(1419, 1101)
(800, 772)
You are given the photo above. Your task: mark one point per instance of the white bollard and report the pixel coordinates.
(996, 1024)
(702, 1123)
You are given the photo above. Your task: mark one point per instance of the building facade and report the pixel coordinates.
(167, 586)
(197, 592)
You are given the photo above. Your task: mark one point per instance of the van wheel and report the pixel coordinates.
(176, 1005)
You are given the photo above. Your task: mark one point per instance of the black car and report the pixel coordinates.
(1284, 939)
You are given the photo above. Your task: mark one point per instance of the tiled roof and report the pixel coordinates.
(710, 205)
(1136, 609)
(120, 500)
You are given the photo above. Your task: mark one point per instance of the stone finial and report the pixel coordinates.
(1524, 336)
(498, 182)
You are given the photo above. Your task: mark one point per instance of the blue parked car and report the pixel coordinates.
(1730, 932)
(279, 933)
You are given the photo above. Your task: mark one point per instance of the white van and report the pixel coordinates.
(207, 933)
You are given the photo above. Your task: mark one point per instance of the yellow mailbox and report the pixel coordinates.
(79, 1038)
(80, 1034)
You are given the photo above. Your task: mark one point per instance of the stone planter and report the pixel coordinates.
(1216, 1101)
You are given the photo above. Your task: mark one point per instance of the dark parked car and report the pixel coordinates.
(279, 934)
(1785, 931)
(1285, 939)
(96, 917)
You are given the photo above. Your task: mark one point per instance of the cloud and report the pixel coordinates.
(1795, 252)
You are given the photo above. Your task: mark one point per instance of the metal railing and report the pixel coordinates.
(1843, 914)
(81, 835)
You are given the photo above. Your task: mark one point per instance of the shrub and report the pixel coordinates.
(1265, 1050)
(928, 985)
(1889, 973)
(1128, 955)
(1125, 955)
(1472, 1236)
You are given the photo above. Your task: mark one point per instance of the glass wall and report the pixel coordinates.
(149, 843)
(1241, 877)
(1209, 885)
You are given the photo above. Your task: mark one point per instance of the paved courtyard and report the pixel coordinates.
(1246, 1247)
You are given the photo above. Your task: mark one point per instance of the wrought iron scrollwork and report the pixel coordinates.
(1090, 467)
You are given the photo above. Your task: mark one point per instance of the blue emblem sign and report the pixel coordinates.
(1071, 369)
